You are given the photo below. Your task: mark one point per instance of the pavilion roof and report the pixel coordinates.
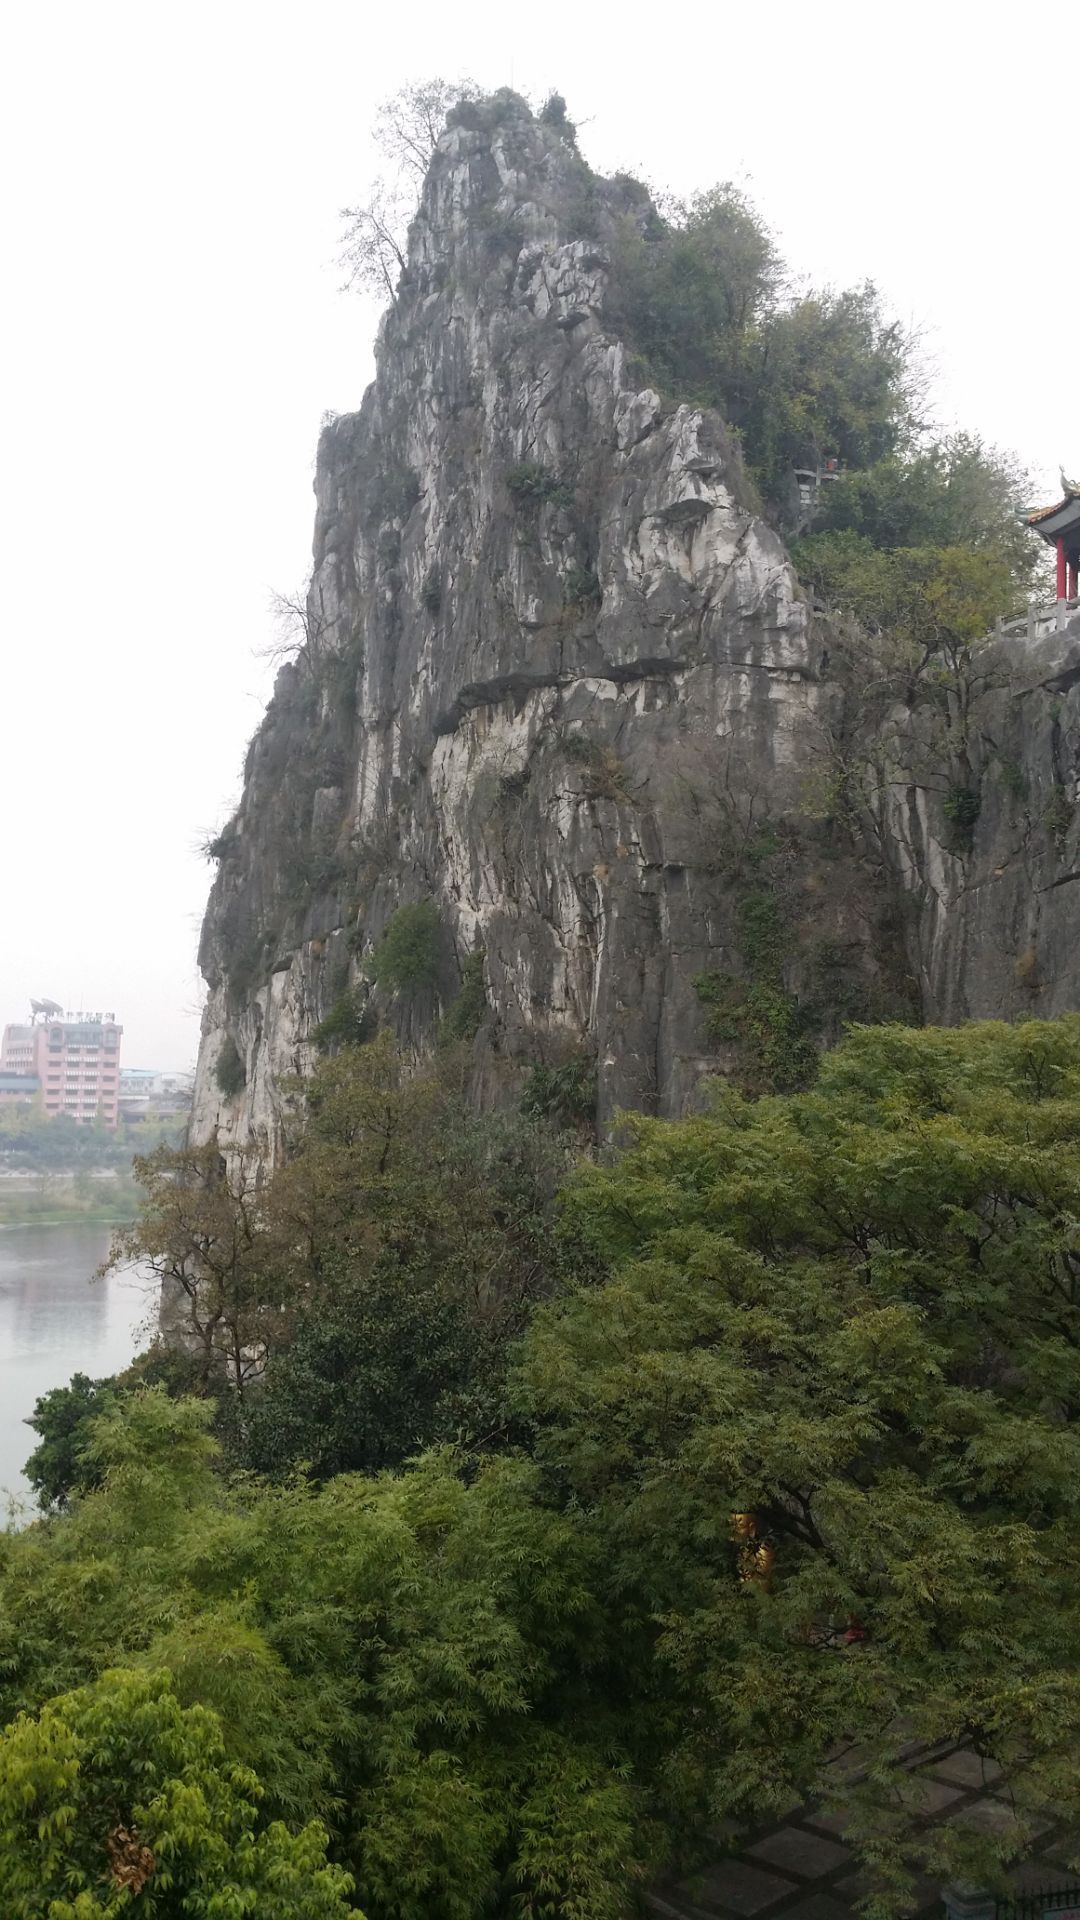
(1047, 513)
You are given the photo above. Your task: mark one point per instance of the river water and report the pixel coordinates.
(56, 1320)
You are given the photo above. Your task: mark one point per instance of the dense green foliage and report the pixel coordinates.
(61, 1464)
(927, 550)
(854, 1314)
(62, 1419)
(230, 1072)
(464, 1017)
(407, 956)
(417, 1661)
(702, 295)
(361, 1303)
(349, 1023)
(531, 486)
(114, 1799)
(915, 533)
(954, 492)
(520, 1683)
(564, 1092)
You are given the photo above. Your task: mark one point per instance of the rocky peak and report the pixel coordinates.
(561, 689)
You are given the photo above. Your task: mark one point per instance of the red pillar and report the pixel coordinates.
(1062, 572)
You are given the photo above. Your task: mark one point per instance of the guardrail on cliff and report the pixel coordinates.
(1050, 617)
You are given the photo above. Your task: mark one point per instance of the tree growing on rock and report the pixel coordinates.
(406, 131)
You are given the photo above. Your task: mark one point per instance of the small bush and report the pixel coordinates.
(468, 1010)
(349, 1023)
(230, 1072)
(1026, 970)
(767, 1024)
(407, 956)
(604, 774)
(961, 807)
(565, 1094)
(531, 487)
(1058, 816)
(394, 494)
(245, 965)
(553, 113)
(580, 586)
(1013, 778)
(500, 231)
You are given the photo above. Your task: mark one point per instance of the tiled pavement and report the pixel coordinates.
(799, 1868)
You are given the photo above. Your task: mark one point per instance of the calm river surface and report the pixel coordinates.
(55, 1320)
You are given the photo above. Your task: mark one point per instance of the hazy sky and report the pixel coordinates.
(173, 332)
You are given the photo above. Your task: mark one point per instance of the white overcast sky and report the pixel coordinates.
(173, 330)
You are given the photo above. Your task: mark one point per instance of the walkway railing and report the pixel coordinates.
(1051, 617)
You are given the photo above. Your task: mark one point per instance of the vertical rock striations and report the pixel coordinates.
(560, 684)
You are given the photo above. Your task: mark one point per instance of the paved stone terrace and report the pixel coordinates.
(799, 1868)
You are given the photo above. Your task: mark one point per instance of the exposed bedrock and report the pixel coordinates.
(560, 680)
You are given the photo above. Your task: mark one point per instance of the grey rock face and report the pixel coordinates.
(560, 681)
(996, 932)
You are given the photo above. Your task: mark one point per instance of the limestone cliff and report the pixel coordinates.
(561, 682)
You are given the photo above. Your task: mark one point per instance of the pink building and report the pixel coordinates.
(75, 1059)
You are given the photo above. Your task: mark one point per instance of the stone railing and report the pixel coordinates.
(1050, 617)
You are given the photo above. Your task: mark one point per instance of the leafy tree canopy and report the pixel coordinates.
(804, 1478)
(362, 1303)
(704, 296)
(852, 1316)
(934, 600)
(951, 492)
(114, 1799)
(415, 1661)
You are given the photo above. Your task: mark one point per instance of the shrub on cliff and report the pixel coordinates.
(702, 295)
(408, 955)
(230, 1071)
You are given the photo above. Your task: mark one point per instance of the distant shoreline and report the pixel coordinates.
(64, 1200)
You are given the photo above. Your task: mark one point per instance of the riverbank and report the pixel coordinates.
(106, 1198)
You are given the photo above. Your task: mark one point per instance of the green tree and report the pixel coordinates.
(59, 1466)
(200, 1234)
(690, 288)
(56, 1467)
(411, 1238)
(951, 492)
(361, 1303)
(828, 376)
(416, 1660)
(853, 1316)
(407, 957)
(386, 1363)
(703, 296)
(114, 1799)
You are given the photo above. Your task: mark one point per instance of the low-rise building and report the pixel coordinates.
(146, 1091)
